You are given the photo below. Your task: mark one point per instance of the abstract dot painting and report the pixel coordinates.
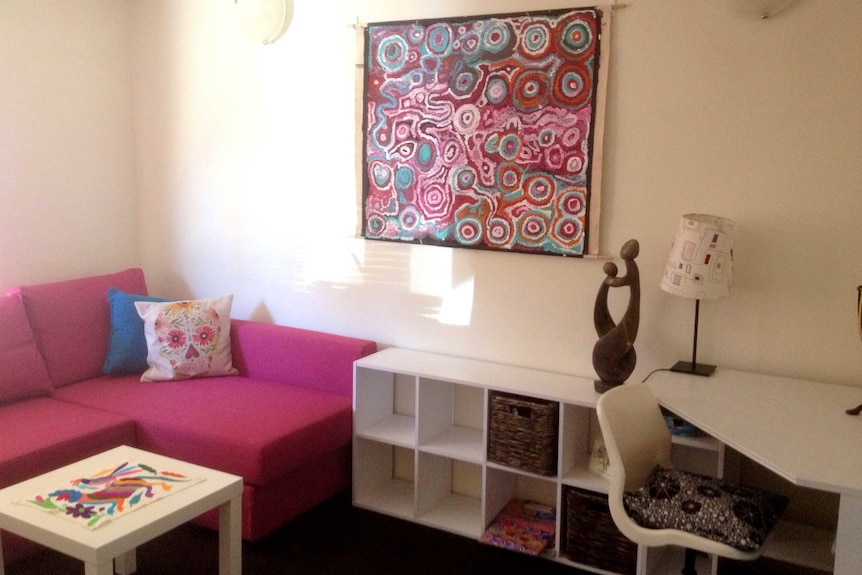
(478, 132)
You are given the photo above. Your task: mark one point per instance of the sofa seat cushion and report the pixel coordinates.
(257, 429)
(42, 434)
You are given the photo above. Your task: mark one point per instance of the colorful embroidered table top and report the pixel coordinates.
(111, 493)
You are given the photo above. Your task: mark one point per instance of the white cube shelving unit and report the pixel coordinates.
(421, 435)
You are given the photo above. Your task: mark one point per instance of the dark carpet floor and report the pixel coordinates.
(336, 538)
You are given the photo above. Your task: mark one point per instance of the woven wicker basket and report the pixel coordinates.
(591, 538)
(523, 433)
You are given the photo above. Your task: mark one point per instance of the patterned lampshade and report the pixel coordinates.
(701, 257)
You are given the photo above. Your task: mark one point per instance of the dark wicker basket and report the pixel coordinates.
(591, 538)
(523, 432)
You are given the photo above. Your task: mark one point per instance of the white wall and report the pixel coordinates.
(246, 170)
(68, 203)
(237, 163)
(152, 132)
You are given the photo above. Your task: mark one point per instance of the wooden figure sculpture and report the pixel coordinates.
(614, 355)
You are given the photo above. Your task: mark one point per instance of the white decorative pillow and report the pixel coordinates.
(187, 339)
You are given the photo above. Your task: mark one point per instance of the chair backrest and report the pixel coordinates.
(637, 439)
(635, 433)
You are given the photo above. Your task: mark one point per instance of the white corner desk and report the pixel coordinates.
(797, 429)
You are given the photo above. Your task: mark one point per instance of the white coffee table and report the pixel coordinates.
(117, 540)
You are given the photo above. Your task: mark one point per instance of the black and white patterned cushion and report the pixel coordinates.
(738, 516)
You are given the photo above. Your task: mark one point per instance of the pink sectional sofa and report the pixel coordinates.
(283, 422)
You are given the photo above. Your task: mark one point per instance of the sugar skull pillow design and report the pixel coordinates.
(187, 339)
(189, 334)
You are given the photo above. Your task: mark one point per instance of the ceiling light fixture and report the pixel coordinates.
(264, 21)
(759, 8)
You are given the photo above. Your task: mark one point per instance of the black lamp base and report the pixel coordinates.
(703, 369)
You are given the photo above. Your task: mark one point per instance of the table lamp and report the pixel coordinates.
(699, 267)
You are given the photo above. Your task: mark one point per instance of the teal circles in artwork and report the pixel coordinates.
(404, 178)
(572, 85)
(536, 40)
(381, 174)
(497, 38)
(463, 80)
(426, 155)
(469, 44)
(533, 228)
(567, 230)
(469, 230)
(392, 53)
(547, 137)
(532, 90)
(415, 34)
(577, 37)
(539, 189)
(510, 146)
(409, 218)
(572, 202)
(375, 225)
(496, 90)
(499, 232)
(439, 39)
(509, 177)
(464, 178)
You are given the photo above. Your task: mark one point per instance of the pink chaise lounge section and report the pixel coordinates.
(284, 423)
(38, 432)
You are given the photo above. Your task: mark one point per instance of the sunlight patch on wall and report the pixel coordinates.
(336, 264)
(432, 274)
(430, 270)
(457, 305)
(409, 273)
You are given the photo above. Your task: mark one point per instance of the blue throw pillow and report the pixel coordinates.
(127, 346)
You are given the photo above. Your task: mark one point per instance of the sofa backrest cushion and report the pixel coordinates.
(295, 356)
(71, 321)
(22, 371)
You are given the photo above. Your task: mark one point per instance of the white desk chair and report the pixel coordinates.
(637, 440)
